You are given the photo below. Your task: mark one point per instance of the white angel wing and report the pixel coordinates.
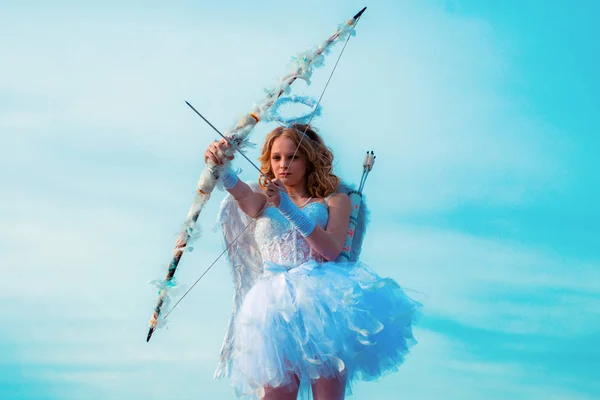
(246, 262)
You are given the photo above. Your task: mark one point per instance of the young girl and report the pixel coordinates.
(300, 319)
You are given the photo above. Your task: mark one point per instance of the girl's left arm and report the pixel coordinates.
(329, 242)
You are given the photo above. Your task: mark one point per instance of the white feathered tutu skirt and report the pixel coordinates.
(319, 320)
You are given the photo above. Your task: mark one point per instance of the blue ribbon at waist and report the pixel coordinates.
(271, 268)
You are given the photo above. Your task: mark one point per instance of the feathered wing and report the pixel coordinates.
(245, 260)
(362, 222)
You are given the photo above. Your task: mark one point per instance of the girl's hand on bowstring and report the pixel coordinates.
(216, 152)
(274, 188)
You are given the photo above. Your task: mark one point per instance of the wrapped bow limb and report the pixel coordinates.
(302, 68)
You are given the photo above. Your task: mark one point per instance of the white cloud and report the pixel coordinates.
(435, 102)
(487, 283)
(439, 367)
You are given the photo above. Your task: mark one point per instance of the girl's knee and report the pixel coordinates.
(329, 389)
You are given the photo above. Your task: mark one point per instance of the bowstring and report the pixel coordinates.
(287, 170)
(321, 97)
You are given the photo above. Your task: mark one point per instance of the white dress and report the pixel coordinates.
(296, 315)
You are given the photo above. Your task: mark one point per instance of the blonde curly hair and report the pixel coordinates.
(320, 180)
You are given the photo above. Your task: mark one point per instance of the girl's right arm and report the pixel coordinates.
(249, 201)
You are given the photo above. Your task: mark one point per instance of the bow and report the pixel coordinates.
(302, 68)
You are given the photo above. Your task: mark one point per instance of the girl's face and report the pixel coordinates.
(282, 150)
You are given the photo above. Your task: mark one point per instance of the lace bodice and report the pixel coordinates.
(280, 243)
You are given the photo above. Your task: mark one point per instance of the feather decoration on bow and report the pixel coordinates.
(302, 68)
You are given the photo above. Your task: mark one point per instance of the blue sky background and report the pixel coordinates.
(484, 197)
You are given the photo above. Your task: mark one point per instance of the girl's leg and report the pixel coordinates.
(288, 392)
(329, 389)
